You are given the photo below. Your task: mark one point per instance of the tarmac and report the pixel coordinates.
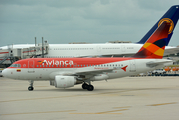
(129, 98)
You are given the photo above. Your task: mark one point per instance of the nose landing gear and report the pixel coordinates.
(31, 88)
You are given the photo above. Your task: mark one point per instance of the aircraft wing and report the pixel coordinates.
(94, 72)
(82, 75)
(171, 50)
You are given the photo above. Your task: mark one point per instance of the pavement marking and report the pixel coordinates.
(37, 98)
(111, 111)
(82, 95)
(94, 113)
(162, 104)
(41, 86)
(38, 112)
(121, 107)
(105, 112)
(61, 96)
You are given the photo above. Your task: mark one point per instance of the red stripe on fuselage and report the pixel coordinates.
(67, 62)
(29, 51)
(3, 52)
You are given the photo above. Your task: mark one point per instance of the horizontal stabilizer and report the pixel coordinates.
(164, 62)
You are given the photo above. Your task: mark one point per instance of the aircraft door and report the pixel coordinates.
(132, 66)
(123, 48)
(31, 66)
(98, 48)
(75, 66)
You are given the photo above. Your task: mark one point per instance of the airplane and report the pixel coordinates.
(67, 72)
(108, 50)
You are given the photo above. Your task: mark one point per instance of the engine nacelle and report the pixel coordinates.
(64, 81)
(100, 77)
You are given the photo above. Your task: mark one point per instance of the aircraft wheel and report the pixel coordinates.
(30, 88)
(85, 86)
(90, 88)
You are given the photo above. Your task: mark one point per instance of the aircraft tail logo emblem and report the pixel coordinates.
(155, 45)
(168, 20)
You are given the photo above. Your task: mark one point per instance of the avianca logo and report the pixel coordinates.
(40, 62)
(56, 62)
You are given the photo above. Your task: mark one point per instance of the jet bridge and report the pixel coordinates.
(10, 55)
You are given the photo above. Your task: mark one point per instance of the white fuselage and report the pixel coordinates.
(134, 66)
(84, 50)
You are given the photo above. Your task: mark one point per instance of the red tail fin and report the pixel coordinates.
(155, 45)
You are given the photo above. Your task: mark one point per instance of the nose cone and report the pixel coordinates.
(4, 73)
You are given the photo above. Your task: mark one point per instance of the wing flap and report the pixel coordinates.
(87, 73)
(93, 72)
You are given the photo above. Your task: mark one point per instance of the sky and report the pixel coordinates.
(91, 21)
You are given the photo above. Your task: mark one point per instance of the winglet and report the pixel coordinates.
(155, 45)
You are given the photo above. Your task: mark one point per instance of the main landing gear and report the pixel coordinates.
(31, 88)
(88, 87)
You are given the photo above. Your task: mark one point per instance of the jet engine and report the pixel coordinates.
(65, 81)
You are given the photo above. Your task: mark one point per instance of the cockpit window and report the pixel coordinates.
(15, 65)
